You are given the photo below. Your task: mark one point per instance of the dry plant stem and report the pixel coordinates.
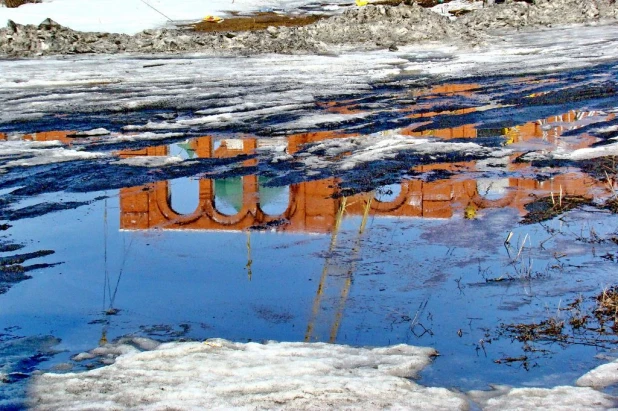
(521, 248)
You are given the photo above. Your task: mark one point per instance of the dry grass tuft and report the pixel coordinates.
(17, 3)
(546, 208)
(607, 307)
(550, 329)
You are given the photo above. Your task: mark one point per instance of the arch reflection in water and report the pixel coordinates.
(243, 202)
(229, 196)
(183, 195)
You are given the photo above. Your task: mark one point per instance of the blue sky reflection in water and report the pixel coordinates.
(413, 281)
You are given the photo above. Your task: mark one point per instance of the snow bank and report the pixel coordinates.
(601, 377)
(133, 16)
(219, 374)
(370, 27)
(558, 398)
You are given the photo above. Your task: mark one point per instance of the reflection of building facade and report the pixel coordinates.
(62, 136)
(312, 205)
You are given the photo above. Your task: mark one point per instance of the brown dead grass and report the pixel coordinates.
(256, 22)
(261, 21)
(607, 307)
(17, 3)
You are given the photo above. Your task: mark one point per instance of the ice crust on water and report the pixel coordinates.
(93, 133)
(576, 155)
(150, 161)
(219, 374)
(32, 153)
(321, 120)
(237, 88)
(379, 146)
(536, 50)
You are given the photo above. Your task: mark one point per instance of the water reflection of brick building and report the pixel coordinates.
(312, 206)
(62, 136)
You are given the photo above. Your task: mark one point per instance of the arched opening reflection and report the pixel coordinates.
(274, 201)
(229, 195)
(183, 194)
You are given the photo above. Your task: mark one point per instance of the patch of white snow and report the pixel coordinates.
(219, 374)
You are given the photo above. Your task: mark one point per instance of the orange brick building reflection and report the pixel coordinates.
(312, 206)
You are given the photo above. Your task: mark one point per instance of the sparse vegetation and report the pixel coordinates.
(591, 321)
(546, 208)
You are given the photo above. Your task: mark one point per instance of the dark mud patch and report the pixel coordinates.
(603, 168)
(546, 208)
(611, 205)
(271, 225)
(12, 270)
(8, 279)
(577, 93)
(8, 247)
(165, 331)
(21, 258)
(39, 209)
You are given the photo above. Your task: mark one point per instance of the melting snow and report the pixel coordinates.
(215, 89)
(150, 161)
(133, 16)
(602, 376)
(37, 153)
(223, 375)
(558, 398)
(93, 133)
(380, 146)
(577, 155)
(220, 374)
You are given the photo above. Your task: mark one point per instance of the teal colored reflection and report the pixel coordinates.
(229, 196)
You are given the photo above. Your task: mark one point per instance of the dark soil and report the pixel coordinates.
(546, 208)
